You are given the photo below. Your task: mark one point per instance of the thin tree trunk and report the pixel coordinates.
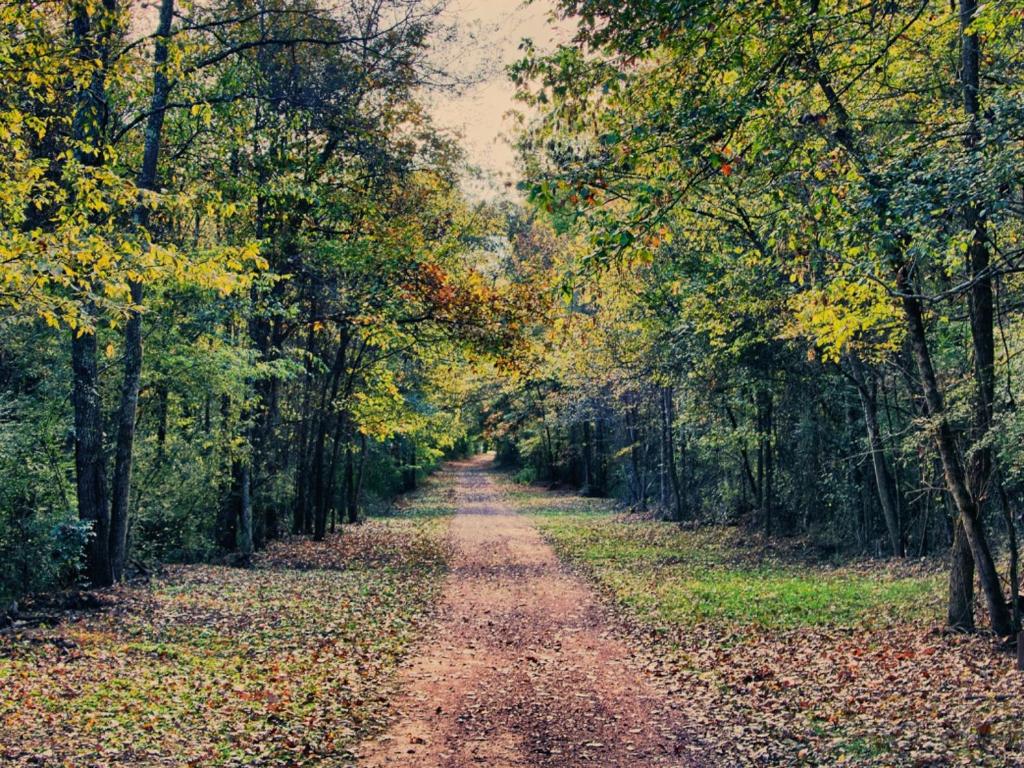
(667, 421)
(351, 511)
(748, 471)
(300, 511)
(883, 479)
(122, 478)
(765, 458)
(353, 500)
(319, 483)
(663, 460)
(162, 397)
(227, 515)
(245, 537)
(146, 180)
(327, 397)
(588, 472)
(409, 471)
(337, 440)
(1014, 552)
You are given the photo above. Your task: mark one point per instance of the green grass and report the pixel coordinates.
(677, 576)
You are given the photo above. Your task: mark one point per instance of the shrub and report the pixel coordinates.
(525, 476)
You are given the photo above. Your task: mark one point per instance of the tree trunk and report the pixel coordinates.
(122, 479)
(300, 511)
(337, 440)
(883, 479)
(146, 180)
(588, 457)
(409, 470)
(357, 489)
(90, 466)
(319, 483)
(982, 315)
(87, 129)
(351, 511)
(765, 459)
(667, 422)
(227, 515)
(245, 537)
(162, 397)
(956, 482)
(662, 460)
(960, 609)
(748, 471)
(1014, 552)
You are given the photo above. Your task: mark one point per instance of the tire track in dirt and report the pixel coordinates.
(521, 668)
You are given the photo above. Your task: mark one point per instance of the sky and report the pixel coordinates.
(487, 41)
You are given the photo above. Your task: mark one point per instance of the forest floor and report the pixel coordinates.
(485, 623)
(776, 657)
(285, 664)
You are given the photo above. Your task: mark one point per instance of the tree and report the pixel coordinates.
(840, 175)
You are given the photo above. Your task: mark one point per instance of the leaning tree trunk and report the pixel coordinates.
(1014, 554)
(980, 470)
(952, 466)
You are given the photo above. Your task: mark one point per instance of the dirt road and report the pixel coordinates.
(521, 667)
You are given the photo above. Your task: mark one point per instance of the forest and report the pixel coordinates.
(741, 338)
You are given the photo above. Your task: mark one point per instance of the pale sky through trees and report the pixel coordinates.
(487, 38)
(489, 34)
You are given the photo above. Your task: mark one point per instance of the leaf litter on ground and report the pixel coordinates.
(780, 658)
(287, 663)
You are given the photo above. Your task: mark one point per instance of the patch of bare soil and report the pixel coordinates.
(522, 667)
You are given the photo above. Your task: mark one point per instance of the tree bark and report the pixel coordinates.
(1014, 552)
(765, 459)
(351, 513)
(122, 478)
(91, 30)
(319, 471)
(90, 466)
(409, 470)
(245, 537)
(956, 482)
(588, 457)
(357, 489)
(667, 421)
(960, 606)
(300, 510)
(883, 479)
(146, 180)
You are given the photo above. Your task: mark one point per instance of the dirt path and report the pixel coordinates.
(521, 668)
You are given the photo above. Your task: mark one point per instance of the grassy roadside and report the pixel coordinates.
(780, 661)
(284, 664)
